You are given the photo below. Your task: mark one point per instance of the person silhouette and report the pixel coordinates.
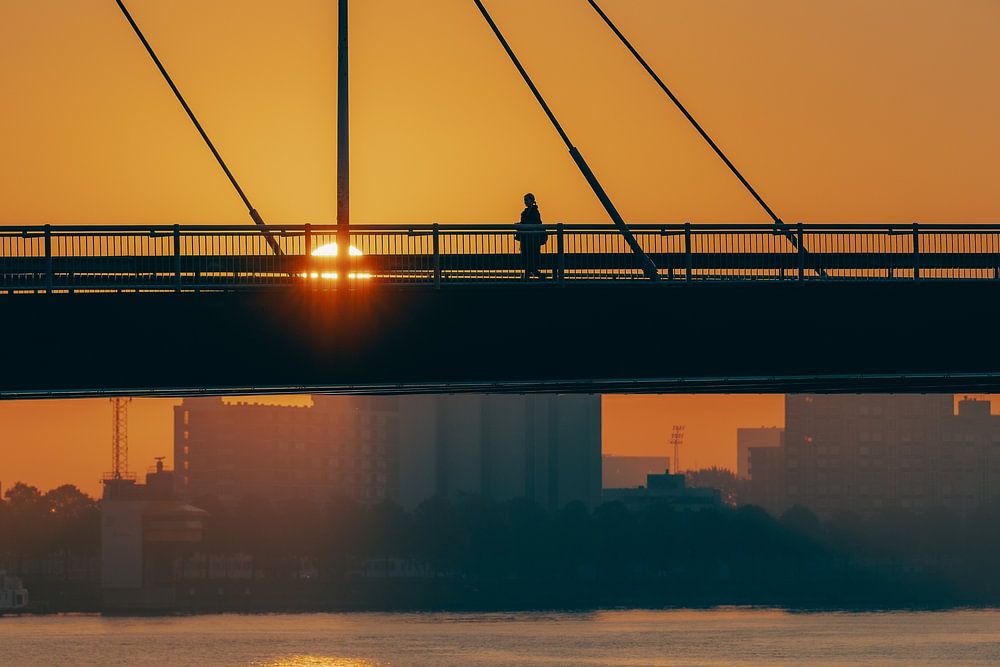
(531, 238)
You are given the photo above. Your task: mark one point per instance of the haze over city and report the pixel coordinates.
(564, 332)
(53, 442)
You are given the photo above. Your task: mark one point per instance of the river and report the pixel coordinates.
(620, 638)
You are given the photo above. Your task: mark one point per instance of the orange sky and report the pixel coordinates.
(837, 110)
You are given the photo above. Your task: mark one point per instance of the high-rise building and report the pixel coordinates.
(754, 437)
(872, 452)
(767, 478)
(231, 451)
(407, 449)
(546, 447)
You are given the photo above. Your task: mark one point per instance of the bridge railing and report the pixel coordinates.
(183, 258)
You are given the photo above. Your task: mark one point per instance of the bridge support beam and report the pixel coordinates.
(905, 336)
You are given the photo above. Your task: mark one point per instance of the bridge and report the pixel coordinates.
(737, 308)
(180, 310)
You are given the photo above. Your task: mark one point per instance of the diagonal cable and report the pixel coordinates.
(704, 135)
(275, 248)
(647, 265)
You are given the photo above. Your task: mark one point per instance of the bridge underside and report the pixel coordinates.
(684, 338)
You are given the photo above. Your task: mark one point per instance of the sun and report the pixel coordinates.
(331, 250)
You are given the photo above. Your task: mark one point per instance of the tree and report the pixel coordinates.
(75, 522)
(64, 519)
(341, 535)
(483, 533)
(614, 534)
(802, 520)
(734, 491)
(528, 544)
(253, 531)
(27, 521)
(388, 531)
(436, 532)
(572, 531)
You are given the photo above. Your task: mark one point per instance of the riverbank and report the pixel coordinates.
(872, 593)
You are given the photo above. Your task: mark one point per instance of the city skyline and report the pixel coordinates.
(43, 430)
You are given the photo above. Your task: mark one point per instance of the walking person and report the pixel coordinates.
(531, 237)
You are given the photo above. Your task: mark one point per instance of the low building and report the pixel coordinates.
(143, 531)
(622, 472)
(668, 489)
(13, 595)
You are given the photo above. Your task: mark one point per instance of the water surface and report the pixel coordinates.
(620, 638)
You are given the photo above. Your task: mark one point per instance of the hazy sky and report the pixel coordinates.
(837, 110)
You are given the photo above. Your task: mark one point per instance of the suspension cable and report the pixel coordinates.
(697, 126)
(648, 267)
(275, 248)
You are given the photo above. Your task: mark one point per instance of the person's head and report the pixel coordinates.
(529, 199)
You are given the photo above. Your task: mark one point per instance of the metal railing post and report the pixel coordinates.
(689, 260)
(560, 252)
(177, 258)
(916, 251)
(436, 247)
(890, 263)
(802, 251)
(308, 240)
(49, 278)
(667, 253)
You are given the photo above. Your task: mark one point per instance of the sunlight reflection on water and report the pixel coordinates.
(317, 661)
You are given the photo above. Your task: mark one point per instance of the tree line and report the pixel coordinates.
(63, 520)
(613, 554)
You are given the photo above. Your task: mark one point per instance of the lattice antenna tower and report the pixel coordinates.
(677, 439)
(119, 438)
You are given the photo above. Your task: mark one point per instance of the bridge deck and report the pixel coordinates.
(695, 337)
